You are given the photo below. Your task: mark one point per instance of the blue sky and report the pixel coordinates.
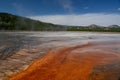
(62, 11)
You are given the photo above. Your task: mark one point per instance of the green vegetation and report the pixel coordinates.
(95, 28)
(13, 22)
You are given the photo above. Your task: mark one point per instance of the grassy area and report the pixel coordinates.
(97, 29)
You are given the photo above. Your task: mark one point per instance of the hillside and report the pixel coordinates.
(14, 22)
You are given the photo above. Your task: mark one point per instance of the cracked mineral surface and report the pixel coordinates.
(59, 56)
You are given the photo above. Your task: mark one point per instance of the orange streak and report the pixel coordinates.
(73, 63)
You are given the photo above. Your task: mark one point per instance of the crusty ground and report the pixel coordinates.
(91, 61)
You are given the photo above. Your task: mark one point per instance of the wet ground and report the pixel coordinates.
(90, 61)
(19, 49)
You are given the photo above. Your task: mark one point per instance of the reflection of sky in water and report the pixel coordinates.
(80, 35)
(14, 41)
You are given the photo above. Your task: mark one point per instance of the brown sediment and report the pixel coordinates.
(90, 61)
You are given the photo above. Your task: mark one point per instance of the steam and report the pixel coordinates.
(81, 19)
(21, 9)
(67, 5)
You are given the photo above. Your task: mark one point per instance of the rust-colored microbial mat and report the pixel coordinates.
(91, 61)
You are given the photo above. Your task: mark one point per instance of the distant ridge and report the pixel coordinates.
(95, 28)
(13, 22)
(114, 26)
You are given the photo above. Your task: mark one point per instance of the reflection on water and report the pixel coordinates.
(11, 42)
(98, 60)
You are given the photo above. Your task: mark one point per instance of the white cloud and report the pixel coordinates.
(81, 19)
(119, 9)
(66, 4)
(20, 9)
(86, 7)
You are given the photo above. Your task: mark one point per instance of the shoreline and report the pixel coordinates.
(55, 31)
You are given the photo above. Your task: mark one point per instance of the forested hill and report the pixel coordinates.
(14, 22)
